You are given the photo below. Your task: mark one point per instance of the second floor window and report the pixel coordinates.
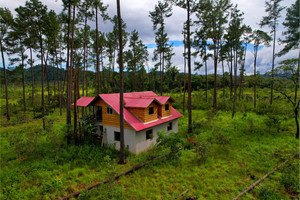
(167, 107)
(151, 110)
(109, 110)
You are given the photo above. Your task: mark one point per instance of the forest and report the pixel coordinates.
(236, 127)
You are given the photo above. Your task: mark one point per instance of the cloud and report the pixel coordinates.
(135, 13)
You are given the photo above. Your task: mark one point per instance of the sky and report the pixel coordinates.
(135, 13)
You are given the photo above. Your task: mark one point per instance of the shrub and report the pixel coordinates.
(173, 141)
(203, 150)
(290, 178)
(266, 192)
(273, 121)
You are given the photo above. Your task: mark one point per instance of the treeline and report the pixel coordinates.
(66, 39)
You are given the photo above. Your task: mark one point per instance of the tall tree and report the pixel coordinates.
(17, 39)
(188, 5)
(98, 5)
(122, 143)
(213, 19)
(201, 45)
(86, 14)
(292, 34)
(6, 20)
(258, 37)
(136, 56)
(289, 77)
(246, 41)
(235, 30)
(163, 49)
(38, 13)
(273, 9)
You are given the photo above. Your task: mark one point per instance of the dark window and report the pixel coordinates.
(169, 126)
(109, 110)
(117, 136)
(167, 107)
(151, 110)
(149, 134)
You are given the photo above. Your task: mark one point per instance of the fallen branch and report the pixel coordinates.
(265, 176)
(182, 193)
(75, 194)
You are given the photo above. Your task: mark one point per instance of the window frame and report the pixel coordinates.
(170, 126)
(148, 135)
(108, 109)
(117, 135)
(167, 106)
(152, 110)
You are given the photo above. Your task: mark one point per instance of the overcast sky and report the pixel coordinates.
(135, 13)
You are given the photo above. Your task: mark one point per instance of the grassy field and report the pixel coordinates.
(228, 156)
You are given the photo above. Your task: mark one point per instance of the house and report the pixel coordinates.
(145, 114)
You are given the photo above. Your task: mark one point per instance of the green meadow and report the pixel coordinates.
(219, 159)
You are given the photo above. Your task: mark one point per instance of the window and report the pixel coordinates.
(149, 134)
(109, 110)
(169, 126)
(117, 136)
(151, 110)
(167, 107)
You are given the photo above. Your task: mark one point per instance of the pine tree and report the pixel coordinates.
(273, 9)
(292, 34)
(258, 37)
(122, 143)
(6, 20)
(163, 51)
(136, 57)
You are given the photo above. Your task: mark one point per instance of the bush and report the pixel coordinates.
(203, 150)
(273, 121)
(290, 178)
(173, 141)
(266, 192)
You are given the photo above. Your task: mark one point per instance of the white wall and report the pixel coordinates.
(136, 140)
(109, 137)
(142, 144)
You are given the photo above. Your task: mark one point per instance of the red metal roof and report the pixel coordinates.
(84, 101)
(136, 100)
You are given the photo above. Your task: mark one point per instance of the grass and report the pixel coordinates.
(230, 155)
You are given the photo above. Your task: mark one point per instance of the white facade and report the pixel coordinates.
(137, 141)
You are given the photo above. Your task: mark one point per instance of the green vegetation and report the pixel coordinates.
(221, 158)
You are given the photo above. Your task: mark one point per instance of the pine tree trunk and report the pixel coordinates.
(215, 78)
(23, 82)
(160, 69)
(184, 80)
(84, 58)
(122, 143)
(254, 86)
(54, 78)
(5, 78)
(32, 81)
(58, 80)
(273, 59)
(242, 73)
(231, 82)
(70, 80)
(206, 80)
(43, 77)
(97, 55)
(235, 83)
(46, 72)
(223, 78)
(190, 129)
(68, 77)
